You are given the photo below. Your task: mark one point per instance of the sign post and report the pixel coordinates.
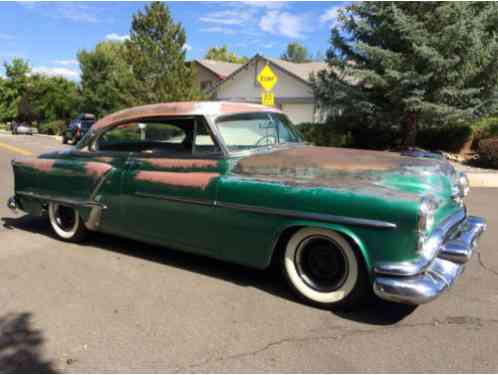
(267, 79)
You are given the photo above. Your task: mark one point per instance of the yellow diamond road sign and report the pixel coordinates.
(266, 78)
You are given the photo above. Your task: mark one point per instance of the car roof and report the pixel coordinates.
(211, 108)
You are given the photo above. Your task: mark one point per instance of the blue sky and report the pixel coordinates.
(49, 34)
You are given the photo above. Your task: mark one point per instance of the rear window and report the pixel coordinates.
(87, 124)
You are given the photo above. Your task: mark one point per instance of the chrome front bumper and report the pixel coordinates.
(423, 280)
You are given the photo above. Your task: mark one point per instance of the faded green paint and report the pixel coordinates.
(178, 203)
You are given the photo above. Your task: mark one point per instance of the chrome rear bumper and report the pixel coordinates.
(425, 284)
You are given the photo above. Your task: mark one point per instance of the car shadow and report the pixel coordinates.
(374, 311)
(20, 346)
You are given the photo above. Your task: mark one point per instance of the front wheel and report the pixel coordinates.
(324, 270)
(66, 222)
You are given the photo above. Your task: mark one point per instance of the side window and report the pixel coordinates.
(204, 143)
(179, 136)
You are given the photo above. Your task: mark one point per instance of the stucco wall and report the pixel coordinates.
(245, 87)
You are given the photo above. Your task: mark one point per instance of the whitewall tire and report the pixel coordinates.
(323, 268)
(66, 222)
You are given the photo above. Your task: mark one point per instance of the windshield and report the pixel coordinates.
(253, 130)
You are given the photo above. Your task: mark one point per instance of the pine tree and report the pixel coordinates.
(156, 54)
(403, 65)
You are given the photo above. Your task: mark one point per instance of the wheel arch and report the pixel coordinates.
(285, 232)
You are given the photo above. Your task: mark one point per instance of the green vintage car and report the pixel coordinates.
(235, 181)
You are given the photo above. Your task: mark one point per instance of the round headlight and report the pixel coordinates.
(428, 206)
(463, 183)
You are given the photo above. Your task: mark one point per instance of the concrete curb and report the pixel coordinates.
(489, 180)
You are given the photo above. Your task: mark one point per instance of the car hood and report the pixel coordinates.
(371, 172)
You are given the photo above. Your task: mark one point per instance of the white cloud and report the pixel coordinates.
(265, 4)
(227, 17)
(330, 15)
(187, 47)
(219, 29)
(66, 62)
(285, 24)
(72, 11)
(117, 37)
(54, 72)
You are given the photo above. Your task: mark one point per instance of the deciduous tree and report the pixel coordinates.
(222, 54)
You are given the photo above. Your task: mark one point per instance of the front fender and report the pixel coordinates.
(345, 231)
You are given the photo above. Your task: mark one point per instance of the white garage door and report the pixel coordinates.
(299, 113)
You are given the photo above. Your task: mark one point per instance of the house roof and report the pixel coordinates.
(220, 68)
(301, 71)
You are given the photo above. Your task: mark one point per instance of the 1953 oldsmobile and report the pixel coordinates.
(235, 181)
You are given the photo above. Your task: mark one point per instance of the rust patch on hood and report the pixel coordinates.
(181, 163)
(96, 169)
(42, 165)
(192, 180)
(320, 159)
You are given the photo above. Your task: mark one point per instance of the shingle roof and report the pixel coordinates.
(302, 70)
(220, 68)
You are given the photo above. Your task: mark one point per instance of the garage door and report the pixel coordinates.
(299, 113)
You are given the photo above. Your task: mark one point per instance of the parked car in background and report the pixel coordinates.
(77, 128)
(22, 128)
(234, 181)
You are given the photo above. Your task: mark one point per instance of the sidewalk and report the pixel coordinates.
(478, 177)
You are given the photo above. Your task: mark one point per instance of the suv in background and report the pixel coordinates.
(78, 127)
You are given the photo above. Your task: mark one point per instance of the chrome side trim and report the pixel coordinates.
(202, 202)
(309, 216)
(64, 201)
(273, 211)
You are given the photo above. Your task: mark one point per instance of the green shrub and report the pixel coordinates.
(488, 152)
(324, 135)
(52, 128)
(484, 128)
(451, 138)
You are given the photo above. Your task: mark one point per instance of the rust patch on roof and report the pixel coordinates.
(198, 180)
(178, 109)
(181, 163)
(42, 165)
(233, 107)
(96, 169)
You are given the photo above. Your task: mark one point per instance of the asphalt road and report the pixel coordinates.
(118, 305)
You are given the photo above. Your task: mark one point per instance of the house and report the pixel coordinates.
(211, 72)
(293, 92)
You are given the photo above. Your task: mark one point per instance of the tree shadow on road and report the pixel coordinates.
(20, 346)
(375, 311)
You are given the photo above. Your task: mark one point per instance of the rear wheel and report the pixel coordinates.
(324, 270)
(66, 222)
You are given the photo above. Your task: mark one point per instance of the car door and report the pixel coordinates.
(169, 186)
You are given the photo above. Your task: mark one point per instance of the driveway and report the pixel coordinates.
(119, 305)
